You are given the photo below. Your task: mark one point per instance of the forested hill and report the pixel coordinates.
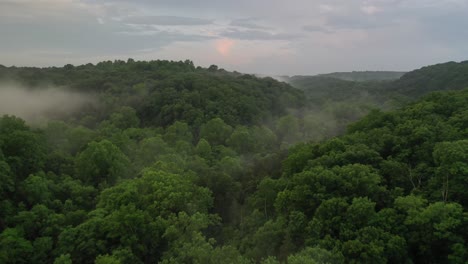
(362, 76)
(412, 85)
(165, 162)
(392, 190)
(354, 99)
(345, 86)
(163, 91)
(320, 88)
(444, 76)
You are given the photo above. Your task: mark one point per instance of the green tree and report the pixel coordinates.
(106, 259)
(7, 188)
(148, 150)
(7, 183)
(14, 248)
(24, 150)
(101, 163)
(36, 189)
(203, 149)
(241, 140)
(434, 230)
(178, 131)
(452, 173)
(140, 215)
(63, 259)
(125, 117)
(215, 131)
(316, 256)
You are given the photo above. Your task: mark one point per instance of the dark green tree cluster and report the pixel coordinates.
(163, 92)
(443, 76)
(129, 181)
(382, 86)
(133, 195)
(363, 76)
(392, 190)
(178, 164)
(337, 99)
(321, 89)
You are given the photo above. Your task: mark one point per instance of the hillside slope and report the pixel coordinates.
(362, 76)
(413, 84)
(164, 91)
(444, 76)
(120, 183)
(391, 190)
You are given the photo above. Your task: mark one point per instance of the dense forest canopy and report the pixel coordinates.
(165, 162)
(339, 86)
(354, 98)
(162, 92)
(362, 76)
(443, 76)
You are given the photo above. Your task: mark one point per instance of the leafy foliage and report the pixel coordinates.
(178, 164)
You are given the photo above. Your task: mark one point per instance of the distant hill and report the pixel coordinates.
(363, 76)
(342, 86)
(411, 85)
(439, 77)
(322, 87)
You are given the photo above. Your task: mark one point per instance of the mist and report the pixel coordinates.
(39, 104)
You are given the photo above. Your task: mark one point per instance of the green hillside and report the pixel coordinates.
(391, 190)
(163, 91)
(363, 76)
(322, 88)
(444, 76)
(165, 162)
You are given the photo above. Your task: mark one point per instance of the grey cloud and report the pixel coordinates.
(160, 38)
(86, 37)
(353, 15)
(167, 20)
(355, 18)
(257, 35)
(312, 28)
(221, 8)
(181, 3)
(421, 30)
(77, 32)
(452, 28)
(355, 22)
(249, 23)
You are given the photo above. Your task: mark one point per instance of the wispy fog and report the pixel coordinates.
(39, 104)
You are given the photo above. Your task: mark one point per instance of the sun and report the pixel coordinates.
(224, 46)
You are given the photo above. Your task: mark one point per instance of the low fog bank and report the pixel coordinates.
(279, 78)
(41, 103)
(316, 124)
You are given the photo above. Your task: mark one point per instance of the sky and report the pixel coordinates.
(273, 37)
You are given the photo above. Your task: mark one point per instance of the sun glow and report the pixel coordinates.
(224, 46)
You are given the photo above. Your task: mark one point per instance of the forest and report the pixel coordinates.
(168, 162)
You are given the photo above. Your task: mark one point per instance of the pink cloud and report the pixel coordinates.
(224, 46)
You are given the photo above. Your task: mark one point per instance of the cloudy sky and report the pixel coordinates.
(255, 36)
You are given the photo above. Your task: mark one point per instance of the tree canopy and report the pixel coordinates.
(172, 163)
